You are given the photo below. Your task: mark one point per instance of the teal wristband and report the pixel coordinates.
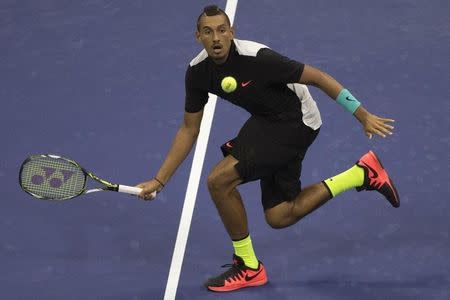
(348, 101)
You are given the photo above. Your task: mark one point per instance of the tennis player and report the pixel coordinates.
(271, 144)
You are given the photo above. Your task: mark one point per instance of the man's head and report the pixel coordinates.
(215, 33)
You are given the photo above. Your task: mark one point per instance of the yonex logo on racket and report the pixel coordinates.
(54, 182)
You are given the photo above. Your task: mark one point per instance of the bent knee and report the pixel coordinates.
(279, 216)
(275, 221)
(216, 181)
(223, 177)
(220, 181)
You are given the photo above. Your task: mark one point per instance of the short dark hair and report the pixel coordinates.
(212, 10)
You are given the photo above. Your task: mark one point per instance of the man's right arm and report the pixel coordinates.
(181, 146)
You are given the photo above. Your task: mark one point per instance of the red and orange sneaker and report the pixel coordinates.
(376, 178)
(237, 276)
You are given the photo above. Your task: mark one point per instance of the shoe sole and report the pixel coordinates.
(219, 289)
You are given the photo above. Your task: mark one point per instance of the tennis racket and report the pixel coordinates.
(52, 177)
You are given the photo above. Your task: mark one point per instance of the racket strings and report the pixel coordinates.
(52, 178)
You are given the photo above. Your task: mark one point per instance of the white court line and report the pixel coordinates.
(192, 188)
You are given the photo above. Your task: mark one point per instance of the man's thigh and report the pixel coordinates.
(225, 173)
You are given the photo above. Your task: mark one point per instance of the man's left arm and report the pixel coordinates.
(371, 123)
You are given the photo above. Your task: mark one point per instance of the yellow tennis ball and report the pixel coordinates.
(228, 84)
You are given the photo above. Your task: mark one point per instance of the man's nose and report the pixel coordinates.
(216, 36)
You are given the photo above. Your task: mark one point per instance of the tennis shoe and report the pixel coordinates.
(376, 178)
(237, 276)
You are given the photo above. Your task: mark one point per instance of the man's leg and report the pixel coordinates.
(222, 183)
(366, 174)
(246, 269)
(290, 212)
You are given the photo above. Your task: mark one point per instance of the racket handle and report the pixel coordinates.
(132, 190)
(129, 189)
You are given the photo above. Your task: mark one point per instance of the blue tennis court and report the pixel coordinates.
(102, 82)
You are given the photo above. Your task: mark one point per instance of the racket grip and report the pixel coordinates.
(129, 189)
(132, 190)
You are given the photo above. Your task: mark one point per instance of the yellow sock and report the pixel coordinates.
(244, 249)
(346, 180)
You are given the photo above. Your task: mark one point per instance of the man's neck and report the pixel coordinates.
(223, 60)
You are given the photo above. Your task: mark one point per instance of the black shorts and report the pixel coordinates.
(271, 151)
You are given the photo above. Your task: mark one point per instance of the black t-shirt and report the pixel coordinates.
(262, 76)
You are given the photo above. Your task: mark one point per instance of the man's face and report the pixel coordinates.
(215, 35)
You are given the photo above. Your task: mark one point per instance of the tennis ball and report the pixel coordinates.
(228, 84)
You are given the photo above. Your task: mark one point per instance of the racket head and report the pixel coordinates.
(52, 177)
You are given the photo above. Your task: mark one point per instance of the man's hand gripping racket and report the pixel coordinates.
(149, 189)
(52, 177)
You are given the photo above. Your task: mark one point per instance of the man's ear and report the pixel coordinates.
(232, 31)
(197, 36)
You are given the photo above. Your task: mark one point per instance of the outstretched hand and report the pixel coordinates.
(149, 189)
(373, 124)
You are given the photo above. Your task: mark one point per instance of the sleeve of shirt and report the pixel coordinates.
(196, 96)
(279, 69)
